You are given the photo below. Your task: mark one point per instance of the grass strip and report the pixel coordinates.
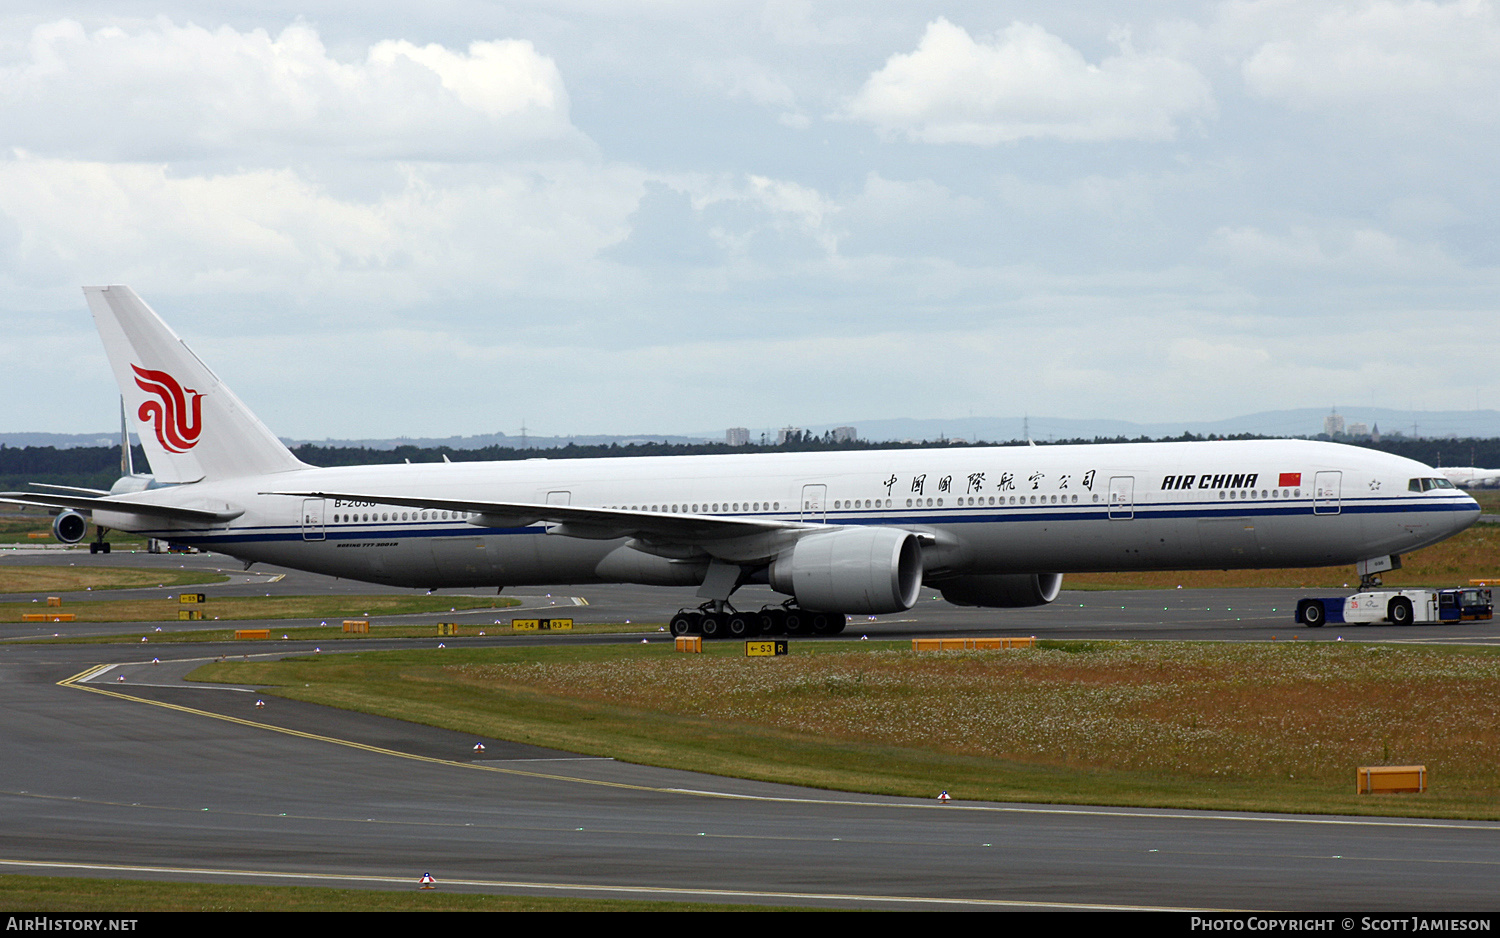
(1267, 727)
(327, 633)
(69, 579)
(1472, 553)
(251, 608)
(43, 895)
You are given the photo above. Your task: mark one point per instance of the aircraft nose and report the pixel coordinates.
(1466, 515)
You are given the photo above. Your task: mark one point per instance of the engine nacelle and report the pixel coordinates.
(1003, 591)
(854, 570)
(70, 527)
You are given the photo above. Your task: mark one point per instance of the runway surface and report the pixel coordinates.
(149, 778)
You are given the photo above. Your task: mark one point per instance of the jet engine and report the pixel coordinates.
(70, 527)
(865, 570)
(1005, 590)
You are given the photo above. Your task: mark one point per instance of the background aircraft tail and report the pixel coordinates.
(191, 425)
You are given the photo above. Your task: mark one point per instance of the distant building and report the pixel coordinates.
(1333, 424)
(788, 433)
(737, 436)
(1358, 430)
(845, 434)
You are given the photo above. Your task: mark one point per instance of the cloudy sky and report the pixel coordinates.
(386, 218)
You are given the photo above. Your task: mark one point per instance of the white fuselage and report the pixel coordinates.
(1471, 476)
(989, 510)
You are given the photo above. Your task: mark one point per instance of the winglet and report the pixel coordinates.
(193, 426)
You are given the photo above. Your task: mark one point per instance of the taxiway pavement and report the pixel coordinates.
(151, 778)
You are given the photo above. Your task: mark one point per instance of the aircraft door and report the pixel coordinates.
(558, 498)
(1121, 497)
(815, 504)
(1326, 500)
(312, 520)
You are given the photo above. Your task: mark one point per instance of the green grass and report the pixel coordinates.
(69, 579)
(1265, 727)
(42, 895)
(1472, 553)
(326, 633)
(1488, 499)
(18, 530)
(334, 609)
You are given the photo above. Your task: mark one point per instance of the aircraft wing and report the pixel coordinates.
(577, 521)
(68, 488)
(87, 503)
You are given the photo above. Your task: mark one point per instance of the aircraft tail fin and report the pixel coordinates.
(127, 464)
(193, 427)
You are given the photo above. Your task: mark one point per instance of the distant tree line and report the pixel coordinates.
(99, 466)
(95, 467)
(1483, 453)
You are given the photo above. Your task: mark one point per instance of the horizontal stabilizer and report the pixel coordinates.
(84, 503)
(68, 488)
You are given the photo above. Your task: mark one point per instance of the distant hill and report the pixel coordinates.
(61, 440)
(479, 441)
(1307, 422)
(1482, 424)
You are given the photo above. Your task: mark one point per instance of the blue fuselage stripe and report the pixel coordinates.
(1007, 514)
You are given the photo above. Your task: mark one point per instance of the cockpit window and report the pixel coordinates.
(1427, 485)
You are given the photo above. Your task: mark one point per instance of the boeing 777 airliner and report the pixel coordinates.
(838, 533)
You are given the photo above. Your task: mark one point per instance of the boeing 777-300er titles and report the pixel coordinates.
(839, 533)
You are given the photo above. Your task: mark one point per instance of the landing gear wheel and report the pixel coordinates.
(1399, 611)
(772, 621)
(798, 622)
(1313, 615)
(712, 626)
(828, 623)
(683, 624)
(741, 625)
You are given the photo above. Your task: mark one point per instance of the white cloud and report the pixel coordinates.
(1368, 255)
(791, 22)
(168, 92)
(1389, 56)
(434, 231)
(360, 207)
(745, 78)
(1199, 354)
(1026, 83)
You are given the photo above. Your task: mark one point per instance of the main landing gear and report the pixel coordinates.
(715, 620)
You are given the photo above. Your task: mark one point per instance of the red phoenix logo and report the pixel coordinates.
(176, 429)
